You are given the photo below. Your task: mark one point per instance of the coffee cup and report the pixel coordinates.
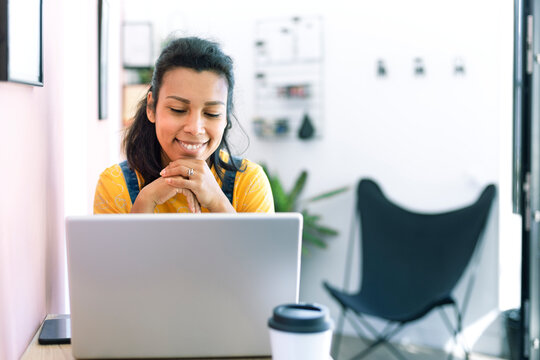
(300, 332)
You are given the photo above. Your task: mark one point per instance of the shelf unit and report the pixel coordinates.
(288, 78)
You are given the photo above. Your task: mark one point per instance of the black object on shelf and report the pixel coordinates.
(307, 130)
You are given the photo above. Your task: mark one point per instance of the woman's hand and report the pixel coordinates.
(158, 192)
(195, 175)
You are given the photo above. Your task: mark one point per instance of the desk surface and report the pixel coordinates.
(35, 351)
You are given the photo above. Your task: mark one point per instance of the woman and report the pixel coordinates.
(176, 158)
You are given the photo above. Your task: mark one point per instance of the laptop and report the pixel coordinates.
(182, 286)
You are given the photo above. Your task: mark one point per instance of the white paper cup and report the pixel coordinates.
(300, 332)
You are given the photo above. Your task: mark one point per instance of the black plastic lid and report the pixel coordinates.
(301, 318)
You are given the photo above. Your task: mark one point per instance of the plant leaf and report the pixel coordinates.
(310, 219)
(315, 240)
(328, 194)
(297, 189)
(281, 200)
(323, 230)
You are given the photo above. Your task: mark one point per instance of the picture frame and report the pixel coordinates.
(103, 59)
(137, 45)
(21, 41)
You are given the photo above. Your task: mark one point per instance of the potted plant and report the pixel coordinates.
(313, 232)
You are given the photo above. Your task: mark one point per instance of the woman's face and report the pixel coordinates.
(190, 115)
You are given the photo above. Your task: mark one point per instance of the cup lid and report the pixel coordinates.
(301, 318)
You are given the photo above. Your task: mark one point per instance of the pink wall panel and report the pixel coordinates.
(31, 197)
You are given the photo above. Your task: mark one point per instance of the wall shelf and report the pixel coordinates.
(288, 78)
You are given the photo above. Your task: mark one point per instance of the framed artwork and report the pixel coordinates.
(103, 57)
(138, 45)
(21, 41)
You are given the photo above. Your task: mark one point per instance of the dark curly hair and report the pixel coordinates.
(140, 142)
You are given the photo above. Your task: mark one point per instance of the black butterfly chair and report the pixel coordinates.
(410, 262)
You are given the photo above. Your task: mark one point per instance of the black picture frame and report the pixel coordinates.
(21, 41)
(103, 59)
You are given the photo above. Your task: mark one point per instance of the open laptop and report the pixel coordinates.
(183, 286)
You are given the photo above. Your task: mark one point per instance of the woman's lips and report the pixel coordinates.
(191, 146)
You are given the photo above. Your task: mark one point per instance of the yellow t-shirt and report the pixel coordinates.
(252, 192)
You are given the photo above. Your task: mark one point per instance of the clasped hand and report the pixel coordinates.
(190, 177)
(195, 177)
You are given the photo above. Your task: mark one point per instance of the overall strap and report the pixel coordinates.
(131, 180)
(228, 178)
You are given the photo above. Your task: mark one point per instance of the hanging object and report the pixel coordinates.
(307, 130)
(419, 67)
(459, 66)
(381, 68)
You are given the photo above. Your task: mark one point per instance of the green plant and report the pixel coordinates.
(313, 232)
(145, 75)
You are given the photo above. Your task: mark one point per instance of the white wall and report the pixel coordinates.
(432, 142)
(90, 145)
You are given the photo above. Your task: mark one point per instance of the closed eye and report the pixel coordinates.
(179, 111)
(212, 115)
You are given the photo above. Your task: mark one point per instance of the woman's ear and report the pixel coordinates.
(150, 108)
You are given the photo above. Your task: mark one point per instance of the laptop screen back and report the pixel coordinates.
(168, 285)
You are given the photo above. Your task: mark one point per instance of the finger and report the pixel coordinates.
(196, 205)
(178, 170)
(180, 166)
(193, 203)
(189, 198)
(187, 195)
(179, 182)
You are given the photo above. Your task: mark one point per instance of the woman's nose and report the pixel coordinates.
(194, 124)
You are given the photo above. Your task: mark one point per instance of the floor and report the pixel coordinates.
(351, 346)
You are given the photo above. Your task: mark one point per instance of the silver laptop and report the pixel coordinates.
(170, 285)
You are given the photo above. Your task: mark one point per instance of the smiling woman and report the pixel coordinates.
(178, 157)
(200, 113)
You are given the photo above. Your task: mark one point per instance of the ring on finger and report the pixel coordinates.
(190, 172)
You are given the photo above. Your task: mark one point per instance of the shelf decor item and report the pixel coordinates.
(306, 130)
(289, 77)
(21, 40)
